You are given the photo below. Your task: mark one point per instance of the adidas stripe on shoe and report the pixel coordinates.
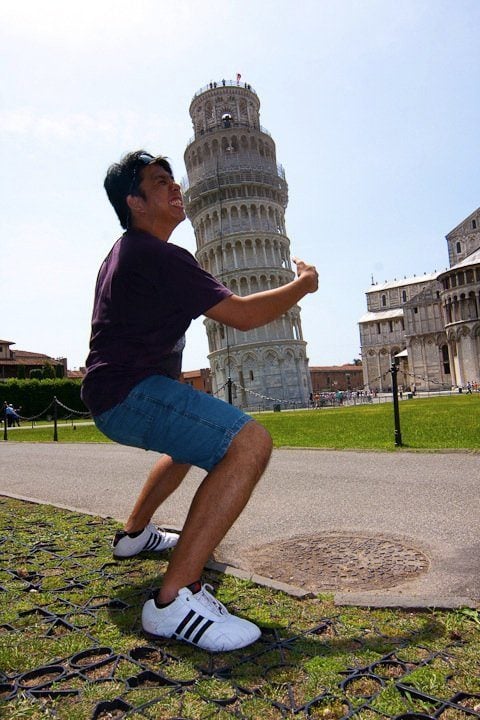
(199, 619)
(151, 538)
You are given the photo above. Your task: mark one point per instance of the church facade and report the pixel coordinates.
(429, 325)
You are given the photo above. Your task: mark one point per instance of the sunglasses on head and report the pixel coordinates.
(141, 161)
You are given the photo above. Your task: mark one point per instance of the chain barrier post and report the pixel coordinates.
(229, 386)
(396, 413)
(55, 418)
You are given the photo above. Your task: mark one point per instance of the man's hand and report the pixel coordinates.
(308, 272)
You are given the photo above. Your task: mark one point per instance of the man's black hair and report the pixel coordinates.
(124, 178)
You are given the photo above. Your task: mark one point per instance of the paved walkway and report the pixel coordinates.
(429, 501)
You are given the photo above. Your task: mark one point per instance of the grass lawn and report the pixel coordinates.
(68, 431)
(430, 423)
(426, 424)
(71, 645)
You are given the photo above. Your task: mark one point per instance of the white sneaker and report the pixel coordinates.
(151, 538)
(200, 620)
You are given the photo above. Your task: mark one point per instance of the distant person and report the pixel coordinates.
(11, 415)
(147, 293)
(17, 419)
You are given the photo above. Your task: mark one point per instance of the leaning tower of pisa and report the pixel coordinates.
(235, 197)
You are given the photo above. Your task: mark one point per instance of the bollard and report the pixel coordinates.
(396, 413)
(55, 417)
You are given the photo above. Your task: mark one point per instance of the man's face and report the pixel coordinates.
(161, 204)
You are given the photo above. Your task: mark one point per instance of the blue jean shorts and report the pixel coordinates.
(170, 417)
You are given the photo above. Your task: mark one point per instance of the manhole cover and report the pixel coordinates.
(337, 561)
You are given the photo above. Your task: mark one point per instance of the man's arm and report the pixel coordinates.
(251, 311)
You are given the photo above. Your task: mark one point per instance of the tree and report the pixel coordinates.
(48, 371)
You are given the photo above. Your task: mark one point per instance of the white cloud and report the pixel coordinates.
(72, 126)
(79, 25)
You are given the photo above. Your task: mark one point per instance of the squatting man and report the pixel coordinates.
(148, 291)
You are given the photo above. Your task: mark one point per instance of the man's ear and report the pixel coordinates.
(135, 203)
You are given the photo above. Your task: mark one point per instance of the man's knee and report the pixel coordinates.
(254, 441)
(265, 440)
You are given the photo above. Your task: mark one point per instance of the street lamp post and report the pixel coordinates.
(396, 413)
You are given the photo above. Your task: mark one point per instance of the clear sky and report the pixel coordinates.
(374, 106)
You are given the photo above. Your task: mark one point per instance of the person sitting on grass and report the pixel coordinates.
(148, 291)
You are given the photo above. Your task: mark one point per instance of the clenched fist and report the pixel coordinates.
(307, 272)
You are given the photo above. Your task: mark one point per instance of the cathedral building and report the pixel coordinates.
(235, 196)
(429, 325)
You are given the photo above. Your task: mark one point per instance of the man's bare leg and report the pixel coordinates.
(216, 505)
(165, 477)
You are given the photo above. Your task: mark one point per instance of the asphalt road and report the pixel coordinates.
(430, 501)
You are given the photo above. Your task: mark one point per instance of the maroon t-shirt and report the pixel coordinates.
(147, 293)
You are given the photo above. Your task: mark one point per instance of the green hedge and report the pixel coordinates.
(34, 396)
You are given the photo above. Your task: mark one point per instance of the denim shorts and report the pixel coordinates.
(170, 417)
